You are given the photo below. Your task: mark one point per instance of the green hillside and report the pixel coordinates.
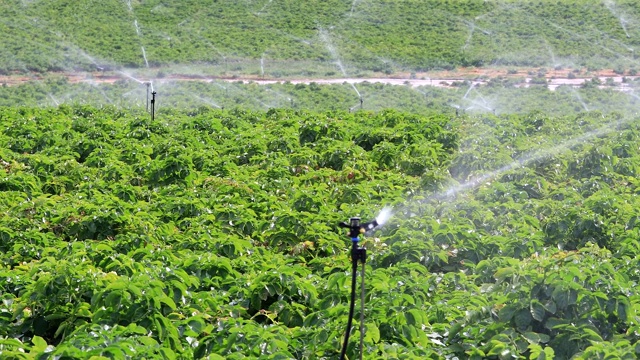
(313, 36)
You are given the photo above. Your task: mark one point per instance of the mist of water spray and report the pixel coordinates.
(356, 89)
(523, 161)
(324, 37)
(611, 6)
(385, 214)
(483, 104)
(353, 7)
(102, 92)
(54, 99)
(131, 77)
(239, 90)
(478, 104)
(623, 23)
(592, 42)
(634, 96)
(88, 57)
(577, 95)
(144, 55)
(207, 101)
(552, 55)
(262, 66)
(280, 95)
(472, 28)
(469, 90)
(137, 27)
(264, 7)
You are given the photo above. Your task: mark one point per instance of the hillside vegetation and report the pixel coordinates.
(213, 234)
(317, 38)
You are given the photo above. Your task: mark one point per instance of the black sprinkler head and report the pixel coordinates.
(356, 228)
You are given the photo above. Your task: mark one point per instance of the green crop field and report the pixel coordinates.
(211, 230)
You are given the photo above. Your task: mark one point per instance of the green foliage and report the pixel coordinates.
(213, 234)
(196, 235)
(285, 37)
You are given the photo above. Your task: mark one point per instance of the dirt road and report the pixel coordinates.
(476, 76)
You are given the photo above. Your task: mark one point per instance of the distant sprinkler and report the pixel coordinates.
(361, 102)
(153, 105)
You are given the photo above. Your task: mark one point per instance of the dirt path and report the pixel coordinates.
(477, 76)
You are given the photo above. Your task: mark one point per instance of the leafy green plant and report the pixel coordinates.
(106, 252)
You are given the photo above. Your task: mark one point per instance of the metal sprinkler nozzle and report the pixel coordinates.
(356, 228)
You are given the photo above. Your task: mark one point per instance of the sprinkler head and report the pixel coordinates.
(356, 227)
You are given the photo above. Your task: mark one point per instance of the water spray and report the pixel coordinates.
(353, 7)
(148, 85)
(262, 66)
(358, 253)
(131, 77)
(144, 56)
(207, 101)
(54, 99)
(324, 37)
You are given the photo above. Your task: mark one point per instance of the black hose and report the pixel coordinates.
(354, 274)
(362, 295)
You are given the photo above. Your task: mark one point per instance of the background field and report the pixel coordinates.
(310, 38)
